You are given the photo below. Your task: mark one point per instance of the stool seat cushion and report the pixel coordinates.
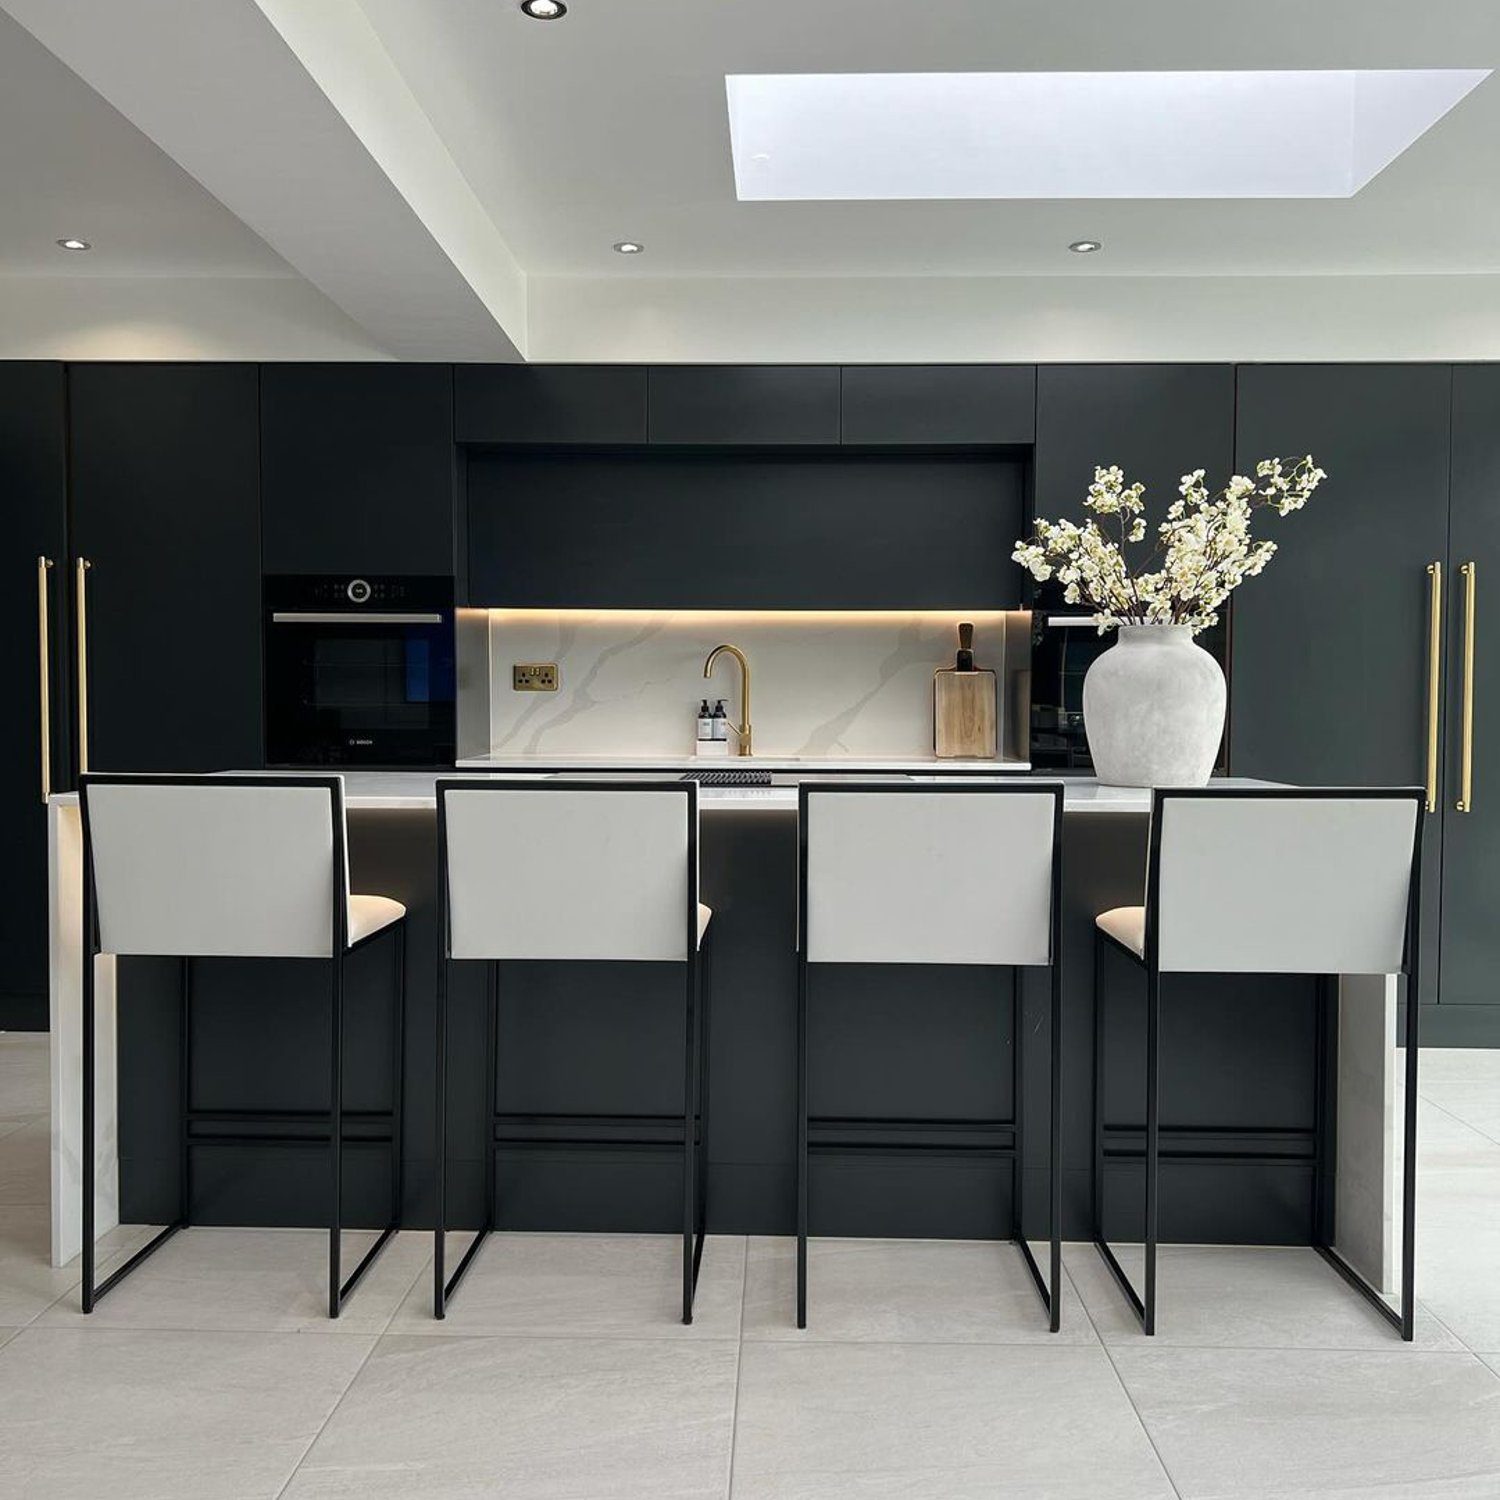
(369, 914)
(705, 915)
(1126, 925)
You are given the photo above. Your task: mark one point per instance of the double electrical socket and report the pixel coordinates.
(533, 676)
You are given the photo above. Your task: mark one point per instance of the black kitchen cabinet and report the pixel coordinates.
(1157, 422)
(166, 515)
(1469, 1007)
(768, 530)
(33, 481)
(549, 404)
(1331, 642)
(938, 405)
(768, 405)
(357, 468)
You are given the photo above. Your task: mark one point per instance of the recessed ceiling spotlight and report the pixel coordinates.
(544, 10)
(72, 244)
(628, 247)
(1085, 247)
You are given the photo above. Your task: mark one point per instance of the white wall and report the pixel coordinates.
(228, 318)
(1063, 318)
(638, 319)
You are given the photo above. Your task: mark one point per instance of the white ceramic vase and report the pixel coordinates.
(1153, 708)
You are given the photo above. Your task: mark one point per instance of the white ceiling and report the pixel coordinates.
(449, 177)
(611, 124)
(70, 164)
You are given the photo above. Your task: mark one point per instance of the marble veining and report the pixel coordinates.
(827, 685)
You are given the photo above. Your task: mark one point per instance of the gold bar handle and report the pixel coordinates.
(1434, 670)
(1466, 769)
(43, 567)
(81, 631)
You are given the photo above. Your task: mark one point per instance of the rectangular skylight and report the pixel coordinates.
(1274, 134)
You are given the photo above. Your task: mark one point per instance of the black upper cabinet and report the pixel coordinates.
(166, 512)
(939, 405)
(769, 405)
(552, 404)
(1157, 422)
(33, 469)
(704, 530)
(357, 468)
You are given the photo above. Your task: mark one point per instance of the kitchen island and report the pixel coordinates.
(1277, 1103)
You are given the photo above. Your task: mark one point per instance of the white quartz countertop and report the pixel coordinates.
(996, 765)
(415, 790)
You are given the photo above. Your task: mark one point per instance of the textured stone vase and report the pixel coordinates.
(1153, 708)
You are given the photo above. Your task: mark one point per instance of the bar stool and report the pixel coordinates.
(1281, 880)
(566, 870)
(904, 873)
(231, 867)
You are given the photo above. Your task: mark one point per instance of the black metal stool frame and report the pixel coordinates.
(698, 986)
(339, 1289)
(1051, 1296)
(1144, 1306)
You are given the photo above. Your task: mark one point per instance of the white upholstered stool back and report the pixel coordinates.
(569, 869)
(216, 866)
(905, 873)
(1282, 881)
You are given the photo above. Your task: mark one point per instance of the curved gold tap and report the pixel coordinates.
(742, 729)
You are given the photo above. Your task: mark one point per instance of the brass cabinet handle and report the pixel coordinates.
(81, 631)
(43, 566)
(1466, 769)
(1434, 669)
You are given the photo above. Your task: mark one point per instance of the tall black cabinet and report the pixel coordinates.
(1332, 644)
(33, 483)
(1469, 1009)
(166, 518)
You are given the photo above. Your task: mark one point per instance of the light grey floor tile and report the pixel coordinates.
(544, 1419)
(937, 1422)
(917, 1291)
(1475, 1102)
(6, 1335)
(25, 1084)
(26, 1164)
(267, 1280)
(1440, 1065)
(1240, 1297)
(1319, 1425)
(28, 1283)
(1458, 1250)
(142, 1415)
(1443, 1141)
(585, 1286)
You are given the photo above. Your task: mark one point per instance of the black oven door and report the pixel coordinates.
(372, 689)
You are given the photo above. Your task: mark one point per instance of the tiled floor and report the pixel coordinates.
(926, 1375)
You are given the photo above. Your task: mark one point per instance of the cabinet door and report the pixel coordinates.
(165, 509)
(939, 405)
(552, 404)
(1469, 1011)
(790, 405)
(1330, 650)
(357, 468)
(33, 462)
(1157, 422)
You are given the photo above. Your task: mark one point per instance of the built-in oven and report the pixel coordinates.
(1064, 645)
(359, 671)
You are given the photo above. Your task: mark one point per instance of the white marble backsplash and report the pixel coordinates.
(823, 684)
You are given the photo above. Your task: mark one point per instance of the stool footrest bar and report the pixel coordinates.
(1118, 1272)
(150, 1248)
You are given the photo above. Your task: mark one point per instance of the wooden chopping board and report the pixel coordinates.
(963, 713)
